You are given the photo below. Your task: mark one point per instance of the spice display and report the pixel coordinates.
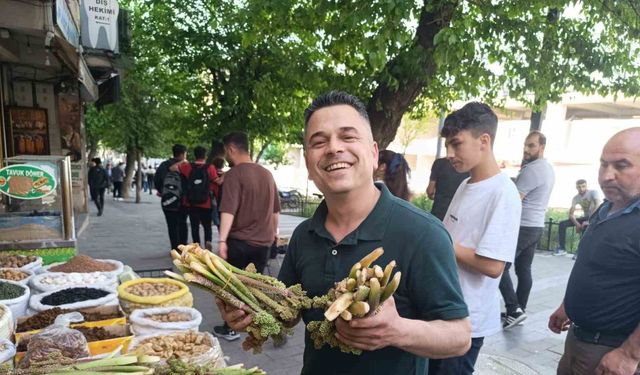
(46, 318)
(10, 291)
(170, 317)
(13, 274)
(73, 295)
(359, 295)
(270, 302)
(96, 333)
(152, 289)
(180, 345)
(16, 261)
(83, 263)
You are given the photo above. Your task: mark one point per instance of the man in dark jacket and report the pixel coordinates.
(98, 182)
(176, 218)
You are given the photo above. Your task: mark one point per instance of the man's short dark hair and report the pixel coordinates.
(581, 181)
(238, 139)
(218, 163)
(476, 117)
(200, 152)
(332, 98)
(542, 140)
(178, 149)
(97, 161)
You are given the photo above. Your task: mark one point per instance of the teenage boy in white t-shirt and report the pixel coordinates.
(483, 220)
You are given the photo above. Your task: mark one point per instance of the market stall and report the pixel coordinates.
(36, 208)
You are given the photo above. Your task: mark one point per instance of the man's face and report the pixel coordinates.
(464, 150)
(340, 153)
(582, 188)
(532, 148)
(619, 174)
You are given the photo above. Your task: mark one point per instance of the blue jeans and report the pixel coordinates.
(462, 365)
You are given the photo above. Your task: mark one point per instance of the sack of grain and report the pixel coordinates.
(153, 292)
(6, 323)
(18, 275)
(7, 352)
(164, 320)
(84, 264)
(15, 296)
(73, 298)
(198, 348)
(29, 263)
(49, 281)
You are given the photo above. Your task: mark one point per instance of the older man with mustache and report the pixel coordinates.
(601, 307)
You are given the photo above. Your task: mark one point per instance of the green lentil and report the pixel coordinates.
(10, 291)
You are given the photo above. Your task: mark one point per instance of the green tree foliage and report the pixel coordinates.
(254, 65)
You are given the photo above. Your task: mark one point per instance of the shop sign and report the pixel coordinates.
(99, 24)
(65, 23)
(25, 181)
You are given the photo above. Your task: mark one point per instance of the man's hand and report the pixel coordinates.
(223, 250)
(559, 321)
(237, 319)
(373, 332)
(617, 362)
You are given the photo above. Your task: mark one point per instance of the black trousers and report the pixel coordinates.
(97, 195)
(177, 227)
(200, 216)
(562, 230)
(240, 254)
(528, 239)
(117, 189)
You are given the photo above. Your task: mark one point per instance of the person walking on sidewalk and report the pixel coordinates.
(169, 187)
(149, 175)
(117, 177)
(249, 212)
(601, 306)
(202, 190)
(426, 317)
(98, 182)
(588, 200)
(443, 183)
(534, 182)
(482, 220)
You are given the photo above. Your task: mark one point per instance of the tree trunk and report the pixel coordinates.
(128, 171)
(536, 121)
(138, 176)
(262, 150)
(416, 67)
(92, 148)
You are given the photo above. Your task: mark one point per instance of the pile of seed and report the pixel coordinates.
(10, 291)
(12, 274)
(96, 333)
(73, 295)
(16, 261)
(171, 317)
(47, 317)
(83, 263)
(147, 289)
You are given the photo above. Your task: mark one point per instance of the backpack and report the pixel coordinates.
(198, 184)
(171, 191)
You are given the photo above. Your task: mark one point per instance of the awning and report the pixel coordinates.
(88, 86)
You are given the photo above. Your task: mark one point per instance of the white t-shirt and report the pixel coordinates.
(484, 216)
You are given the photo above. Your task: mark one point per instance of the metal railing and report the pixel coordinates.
(551, 234)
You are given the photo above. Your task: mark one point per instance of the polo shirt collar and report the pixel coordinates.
(371, 229)
(603, 214)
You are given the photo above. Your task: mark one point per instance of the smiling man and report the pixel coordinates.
(601, 306)
(427, 316)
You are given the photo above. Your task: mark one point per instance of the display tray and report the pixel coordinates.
(26, 227)
(64, 251)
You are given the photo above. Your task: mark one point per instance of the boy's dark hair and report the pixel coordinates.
(476, 117)
(581, 181)
(218, 163)
(178, 150)
(541, 138)
(332, 98)
(238, 139)
(199, 152)
(97, 161)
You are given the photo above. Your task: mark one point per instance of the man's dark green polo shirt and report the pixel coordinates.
(429, 289)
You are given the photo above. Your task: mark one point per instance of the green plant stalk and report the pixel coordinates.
(115, 361)
(387, 273)
(283, 311)
(221, 286)
(374, 293)
(268, 288)
(258, 276)
(218, 291)
(391, 287)
(228, 276)
(371, 257)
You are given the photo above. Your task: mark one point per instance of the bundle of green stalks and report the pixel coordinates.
(273, 306)
(123, 365)
(358, 296)
(176, 366)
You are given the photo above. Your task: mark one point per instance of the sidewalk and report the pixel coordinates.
(136, 235)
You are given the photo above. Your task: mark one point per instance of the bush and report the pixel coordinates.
(551, 243)
(422, 201)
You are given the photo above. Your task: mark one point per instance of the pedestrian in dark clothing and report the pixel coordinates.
(443, 183)
(150, 174)
(98, 182)
(199, 175)
(176, 217)
(117, 176)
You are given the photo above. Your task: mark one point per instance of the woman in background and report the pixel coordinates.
(393, 170)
